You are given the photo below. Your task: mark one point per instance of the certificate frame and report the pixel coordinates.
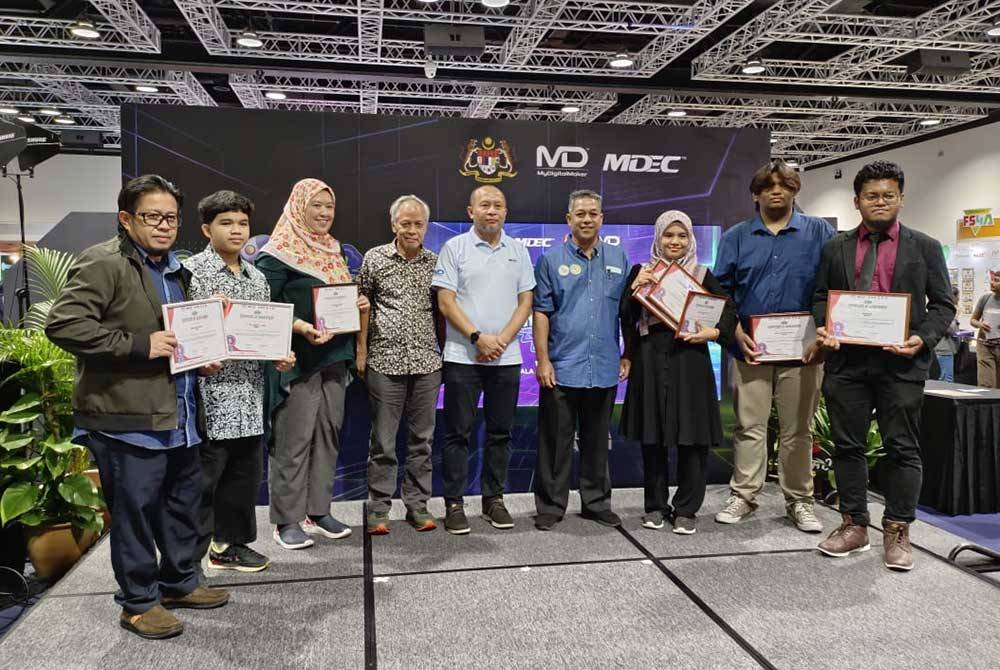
(691, 296)
(644, 294)
(755, 322)
(243, 355)
(832, 327)
(179, 361)
(317, 321)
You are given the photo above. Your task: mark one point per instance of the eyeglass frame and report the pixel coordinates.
(887, 198)
(163, 217)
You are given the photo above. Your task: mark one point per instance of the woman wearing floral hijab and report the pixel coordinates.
(671, 397)
(306, 403)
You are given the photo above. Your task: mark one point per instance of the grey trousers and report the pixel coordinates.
(391, 396)
(304, 459)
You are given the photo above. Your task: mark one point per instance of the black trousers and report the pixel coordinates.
(850, 397)
(499, 385)
(231, 472)
(561, 410)
(692, 472)
(153, 496)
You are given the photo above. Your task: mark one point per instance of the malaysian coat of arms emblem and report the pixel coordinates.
(489, 162)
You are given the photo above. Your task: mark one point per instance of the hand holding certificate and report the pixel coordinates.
(782, 337)
(667, 296)
(335, 308)
(868, 319)
(208, 331)
(701, 310)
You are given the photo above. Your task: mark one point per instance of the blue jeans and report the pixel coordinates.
(947, 363)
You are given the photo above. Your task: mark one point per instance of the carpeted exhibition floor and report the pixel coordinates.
(582, 596)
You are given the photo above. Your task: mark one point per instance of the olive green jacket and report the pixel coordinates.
(104, 317)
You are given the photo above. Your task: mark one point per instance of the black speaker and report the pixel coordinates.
(459, 41)
(42, 145)
(82, 139)
(12, 141)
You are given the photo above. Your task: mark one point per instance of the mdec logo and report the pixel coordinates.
(566, 158)
(546, 242)
(641, 163)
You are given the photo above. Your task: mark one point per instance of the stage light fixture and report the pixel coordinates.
(9, 110)
(995, 30)
(495, 4)
(275, 95)
(930, 122)
(84, 30)
(570, 109)
(146, 88)
(753, 66)
(250, 40)
(676, 113)
(50, 112)
(25, 118)
(65, 120)
(430, 68)
(620, 61)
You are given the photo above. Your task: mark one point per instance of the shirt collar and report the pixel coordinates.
(390, 250)
(757, 223)
(576, 251)
(891, 233)
(478, 240)
(215, 263)
(168, 264)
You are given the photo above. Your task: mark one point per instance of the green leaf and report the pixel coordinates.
(20, 463)
(56, 464)
(26, 401)
(16, 441)
(17, 500)
(63, 447)
(33, 518)
(26, 416)
(79, 490)
(88, 519)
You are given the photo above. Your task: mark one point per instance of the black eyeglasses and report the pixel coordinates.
(154, 219)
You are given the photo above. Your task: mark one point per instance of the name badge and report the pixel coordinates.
(613, 270)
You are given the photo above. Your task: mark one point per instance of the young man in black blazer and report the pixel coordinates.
(880, 255)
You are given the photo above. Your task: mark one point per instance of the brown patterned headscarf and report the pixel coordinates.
(296, 245)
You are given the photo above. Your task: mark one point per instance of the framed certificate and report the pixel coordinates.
(200, 331)
(868, 319)
(260, 331)
(335, 308)
(700, 309)
(667, 296)
(782, 337)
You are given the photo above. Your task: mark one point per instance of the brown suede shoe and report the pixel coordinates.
(848, 539)
(154, 624)
(896, 543)
(202, 598)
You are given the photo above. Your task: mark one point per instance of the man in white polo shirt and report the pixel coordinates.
(484, 280)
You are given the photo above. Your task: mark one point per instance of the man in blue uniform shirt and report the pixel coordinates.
(577, 293)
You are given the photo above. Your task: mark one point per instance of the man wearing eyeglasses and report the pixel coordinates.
(880, 256)
(139, 421)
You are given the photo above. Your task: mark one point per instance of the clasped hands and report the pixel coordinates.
(908, 349)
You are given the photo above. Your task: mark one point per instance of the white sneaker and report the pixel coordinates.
(736, 510)
(801, 514)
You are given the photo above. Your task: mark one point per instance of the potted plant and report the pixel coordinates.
(44, 488)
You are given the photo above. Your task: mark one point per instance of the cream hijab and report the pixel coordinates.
(690, 260)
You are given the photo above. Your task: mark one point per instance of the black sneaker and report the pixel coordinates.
(454, 519)
(684, 525)
(546, 521)
(238, 557)
(605, 517)
(496, 513)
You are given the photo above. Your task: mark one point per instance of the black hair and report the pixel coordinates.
(212, 205)
(134, 189)
(878, 170)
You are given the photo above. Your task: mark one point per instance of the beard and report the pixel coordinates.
(880, 225)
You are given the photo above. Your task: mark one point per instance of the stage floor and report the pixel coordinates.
(581, 596)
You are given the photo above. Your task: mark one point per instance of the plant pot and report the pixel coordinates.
(55, 549)
(94, 475)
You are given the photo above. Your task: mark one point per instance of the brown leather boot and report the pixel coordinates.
(202, 598)
(153, 624)
(896, 543)
(850, 538)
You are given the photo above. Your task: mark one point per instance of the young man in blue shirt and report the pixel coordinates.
(768, 265)
(578, 289)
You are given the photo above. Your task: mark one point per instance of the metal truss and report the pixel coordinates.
(125, 28)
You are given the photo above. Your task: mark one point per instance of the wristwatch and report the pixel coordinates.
(474, 337)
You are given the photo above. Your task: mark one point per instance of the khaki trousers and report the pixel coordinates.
(987, 365)
(795, 392)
